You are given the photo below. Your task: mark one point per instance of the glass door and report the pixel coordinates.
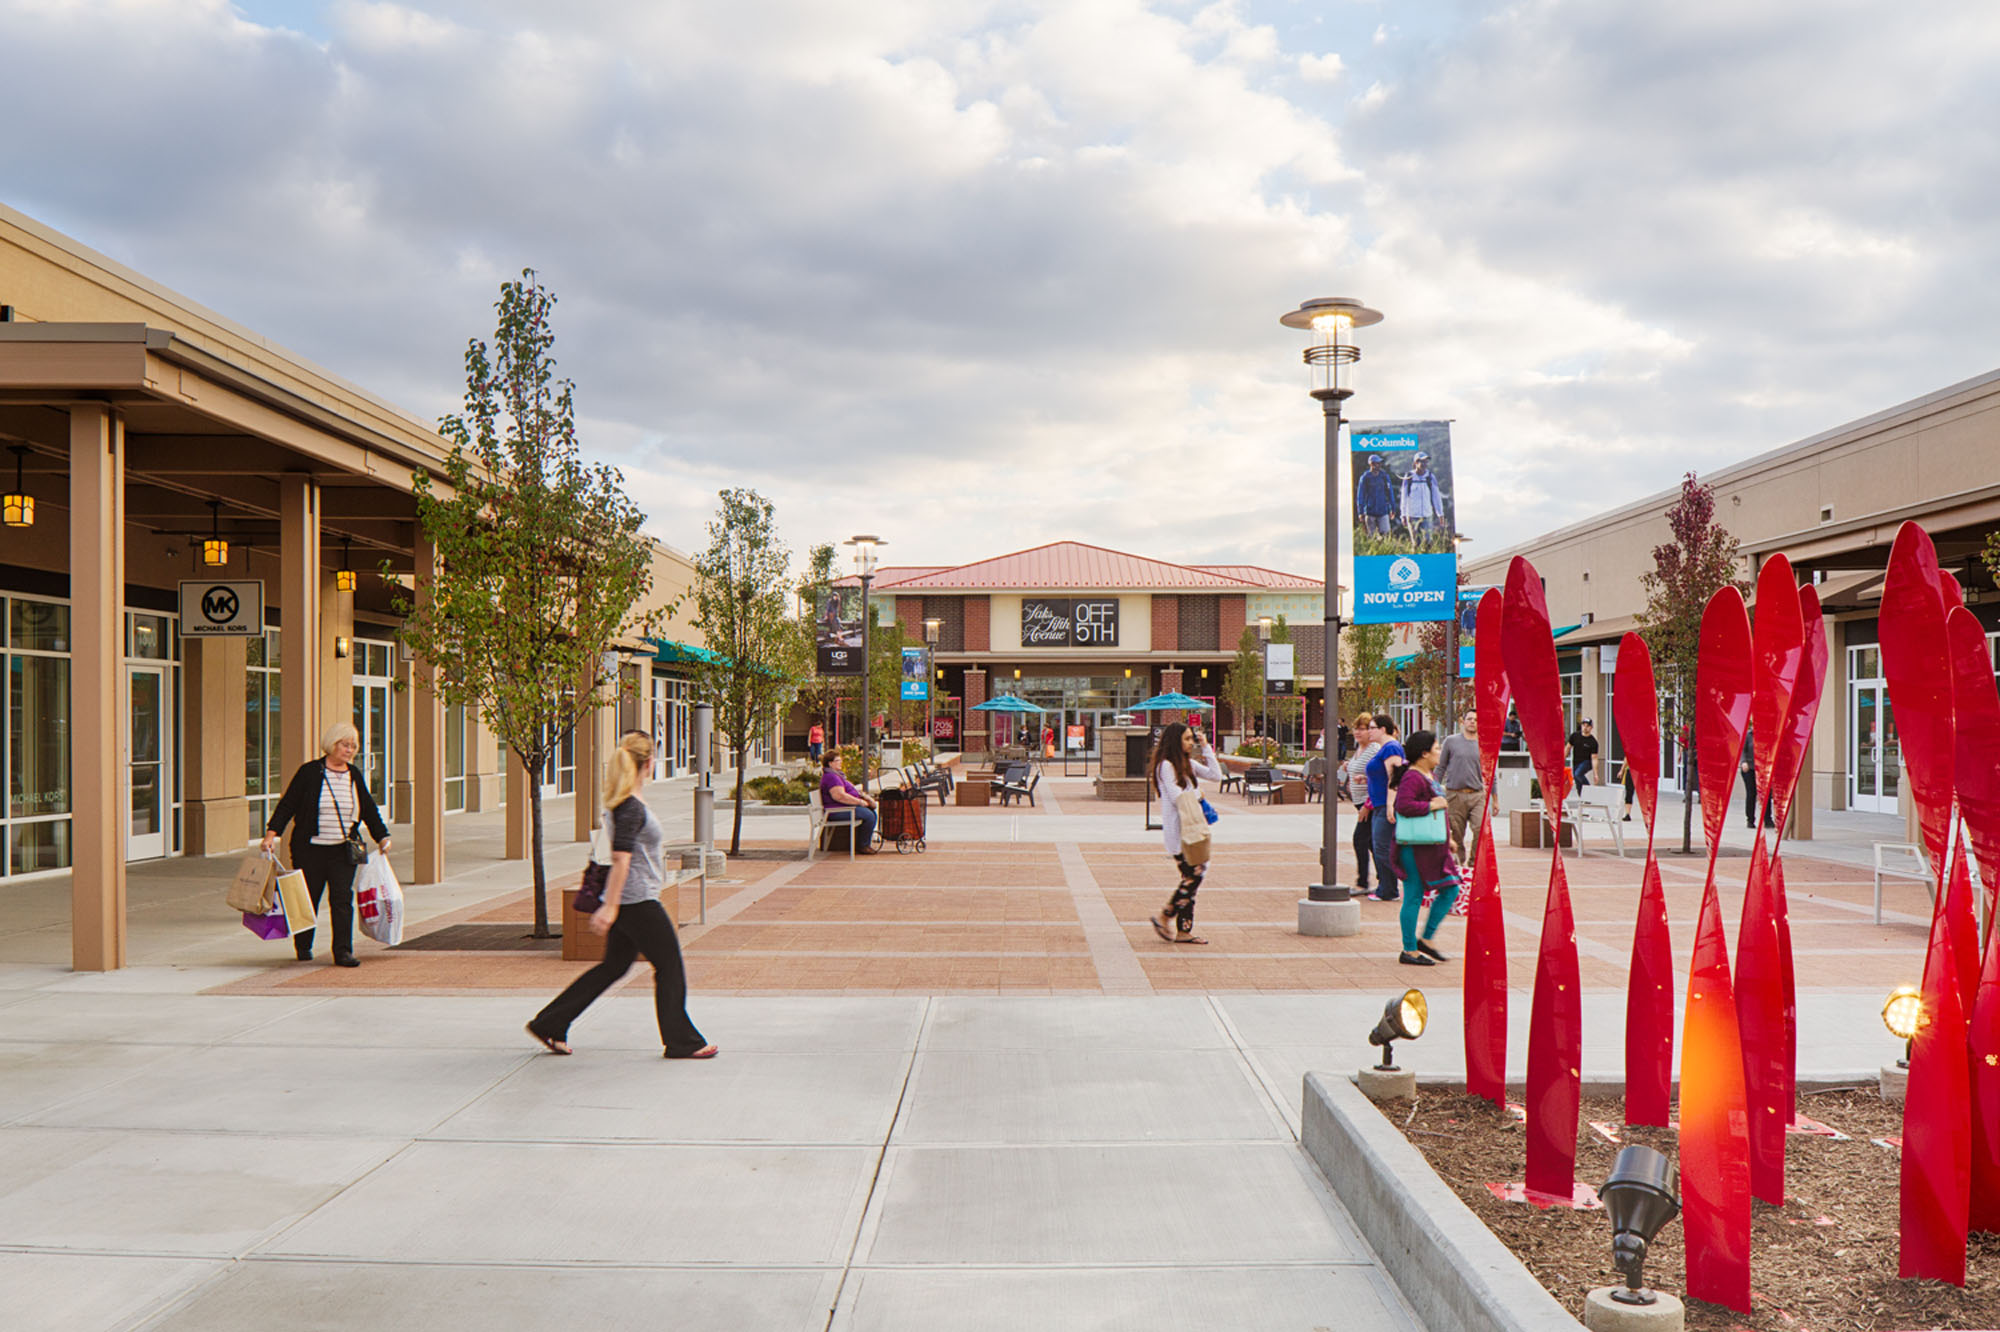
(1876, 759)
(145, 767)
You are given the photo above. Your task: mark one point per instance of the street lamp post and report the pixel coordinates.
(864, 563)
(1330, 360)
(1264, 705)
(931, 628)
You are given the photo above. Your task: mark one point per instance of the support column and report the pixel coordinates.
(97, 760)
(336, 672)
(300, 724)
(977, 727)
(1172, 682)
(590, 756)
(215, 804)
(519, 816)
(427, 741)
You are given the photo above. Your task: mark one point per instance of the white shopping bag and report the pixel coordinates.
(379, 899)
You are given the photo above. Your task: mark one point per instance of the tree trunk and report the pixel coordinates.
(542, 930)
(1688, 771)
(736, 825)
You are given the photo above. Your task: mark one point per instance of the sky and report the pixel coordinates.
(978, 275)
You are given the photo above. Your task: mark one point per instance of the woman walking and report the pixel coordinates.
(1181, 757)
(632, 916)
(325, 803)
(1420, 846)
(1356, 772)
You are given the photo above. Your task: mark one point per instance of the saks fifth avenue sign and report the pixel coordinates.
(1085, 622)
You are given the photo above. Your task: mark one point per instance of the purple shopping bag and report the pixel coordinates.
(271, 924)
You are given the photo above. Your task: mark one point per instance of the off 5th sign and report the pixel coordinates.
(221, 610)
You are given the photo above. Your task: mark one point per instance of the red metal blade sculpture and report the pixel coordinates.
(1649, 989)
(1555, 1024)
(1485, 924)
(1777, 643)
(1937, 1112)
(1715, 1146)
(1807, 691)
(1975, 705)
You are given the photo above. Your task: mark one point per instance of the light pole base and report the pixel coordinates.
(1387, 1084)
(1895, 1083)
(1601, 1313)
(1329, 920)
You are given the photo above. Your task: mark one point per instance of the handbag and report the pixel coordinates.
(1208, 811)
(1420, 830)
(596, 874)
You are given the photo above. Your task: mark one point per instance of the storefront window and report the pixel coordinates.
(454, 759)
(38, 626)
(38, 736)
(38, 846)
(263, 780)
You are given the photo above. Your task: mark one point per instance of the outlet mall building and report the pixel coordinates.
(143, 427)
(1831, 504)
(1085, 632)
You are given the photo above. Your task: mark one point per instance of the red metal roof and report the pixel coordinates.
(1071, 564)
(1269, 578)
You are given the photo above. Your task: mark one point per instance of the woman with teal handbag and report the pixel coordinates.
(1420, 848)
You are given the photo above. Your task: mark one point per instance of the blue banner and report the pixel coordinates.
(916, 674)
(1405, 522)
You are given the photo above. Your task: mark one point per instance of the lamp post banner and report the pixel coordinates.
(916, 674)
(1405, 522)
(838, 640)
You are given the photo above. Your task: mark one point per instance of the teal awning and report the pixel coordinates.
(670, 653)
(1566, 629)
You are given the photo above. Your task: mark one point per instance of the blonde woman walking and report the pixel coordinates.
(632, 916)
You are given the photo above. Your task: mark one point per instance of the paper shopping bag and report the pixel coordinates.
(298, 902)
(379, 899)
(250, 890)
(270, 925)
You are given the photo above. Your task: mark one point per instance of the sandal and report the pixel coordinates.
(1189, 939)
(550, 1043)
(1160, 928)
(706, 1052)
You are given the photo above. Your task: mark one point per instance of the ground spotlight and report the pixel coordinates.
(1901, 1014)
(1639, 1199)
(1403, 1019)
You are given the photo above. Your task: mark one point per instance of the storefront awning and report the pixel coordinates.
(669, 653)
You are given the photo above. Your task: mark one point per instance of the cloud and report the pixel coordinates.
(1322, 68)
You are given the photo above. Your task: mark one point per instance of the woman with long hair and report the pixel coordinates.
(631, 916)
(1422, 850)
(1180, 758)
(325, 803)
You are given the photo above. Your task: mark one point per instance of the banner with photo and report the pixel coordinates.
(916, 674)
(838, 640)
(1405, 522)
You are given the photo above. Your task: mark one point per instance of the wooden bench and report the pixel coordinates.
(1907, 861)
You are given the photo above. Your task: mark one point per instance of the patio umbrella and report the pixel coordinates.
(1170, 703)
(1007, 703)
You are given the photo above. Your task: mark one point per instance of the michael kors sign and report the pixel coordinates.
(1084, 622)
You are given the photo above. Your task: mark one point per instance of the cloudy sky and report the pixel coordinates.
(976, 275)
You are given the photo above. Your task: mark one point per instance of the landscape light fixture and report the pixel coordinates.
(1403, 1019)
(18, 507)
(343, 577)
(215, 551)
(865, 545)
(1329, 360)
(1639, 1198)
(1902, 1014)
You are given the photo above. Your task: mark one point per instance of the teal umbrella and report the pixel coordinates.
(1171, 702)
(1007, 703)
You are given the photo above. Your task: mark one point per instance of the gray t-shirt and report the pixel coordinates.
(634, 829)
(1458, 769)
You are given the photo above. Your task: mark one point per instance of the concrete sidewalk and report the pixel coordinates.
(176, 1160)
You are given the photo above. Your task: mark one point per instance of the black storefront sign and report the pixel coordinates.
(1084, 622)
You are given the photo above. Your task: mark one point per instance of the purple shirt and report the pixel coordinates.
(831, 781)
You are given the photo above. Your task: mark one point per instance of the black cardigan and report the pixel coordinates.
(299, 806)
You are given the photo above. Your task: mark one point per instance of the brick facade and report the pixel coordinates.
(976, 723)
(979, 626)
(1166, 623)
(910, 616)
(1170, 683)
(1199, 616)
(1232, 612)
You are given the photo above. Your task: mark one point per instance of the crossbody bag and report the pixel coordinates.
(357, 850)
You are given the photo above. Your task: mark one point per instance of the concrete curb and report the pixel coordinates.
(1454, 1272)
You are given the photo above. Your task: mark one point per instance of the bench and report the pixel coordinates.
(1598, 804)
(1903, 861)
(817, 826)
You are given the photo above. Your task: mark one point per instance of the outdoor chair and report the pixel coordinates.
(929, 779)
(1024, 789)
(1315, 780)
(1232, 778)
(1901, 860)
(1597, 804)
(818, 825)
(1259, 781)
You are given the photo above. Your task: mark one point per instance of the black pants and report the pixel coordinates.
(1182, 902)
(1364, 846)
(328, 871)
(641, 927)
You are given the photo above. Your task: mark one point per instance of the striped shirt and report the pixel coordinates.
(339, 808)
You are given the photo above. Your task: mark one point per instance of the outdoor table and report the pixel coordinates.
(975, 791)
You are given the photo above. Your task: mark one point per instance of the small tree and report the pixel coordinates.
(1429, 673)
(742, 593)
(817, 691)
(1699, 562)
(540, 560)
(1243, 683)
(1366, 676)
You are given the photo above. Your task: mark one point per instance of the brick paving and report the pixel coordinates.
(1005, 917)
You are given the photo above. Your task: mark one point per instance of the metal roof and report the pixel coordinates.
(1273, 579)
(1074, 565)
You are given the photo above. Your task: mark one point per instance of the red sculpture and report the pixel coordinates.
(1485, 925)
(1807, 691)
(1975, 705)
(1555, 1025)
(1777, 647)
(1649, 991)
(1715, 1147)
(1937, 1115)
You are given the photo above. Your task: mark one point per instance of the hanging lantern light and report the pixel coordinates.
(215, 551)
(343, 578)
(17, 508)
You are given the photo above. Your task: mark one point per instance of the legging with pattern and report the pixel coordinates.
(1182, 903)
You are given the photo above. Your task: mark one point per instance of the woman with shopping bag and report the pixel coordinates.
(632, 916)
(326, 804)
(1176, 764)
(1421, 851)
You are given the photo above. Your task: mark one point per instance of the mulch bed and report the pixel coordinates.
(1824, 1262)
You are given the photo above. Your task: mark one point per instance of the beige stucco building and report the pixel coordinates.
(143, 427)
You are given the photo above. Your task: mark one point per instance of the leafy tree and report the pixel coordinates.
(1243, 683)
(1699, 562)
(817, 691)
(1367, 680)
(742, 595)
(1429, 673)
(540, 561)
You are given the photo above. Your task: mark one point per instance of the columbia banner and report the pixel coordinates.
(1405, 515)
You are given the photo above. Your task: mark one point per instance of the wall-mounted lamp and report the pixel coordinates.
(215, 551)
(1128, 672)
(1017, 672)
(1204, 672)
(341, 647)
(18, 508)
(343, 577)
